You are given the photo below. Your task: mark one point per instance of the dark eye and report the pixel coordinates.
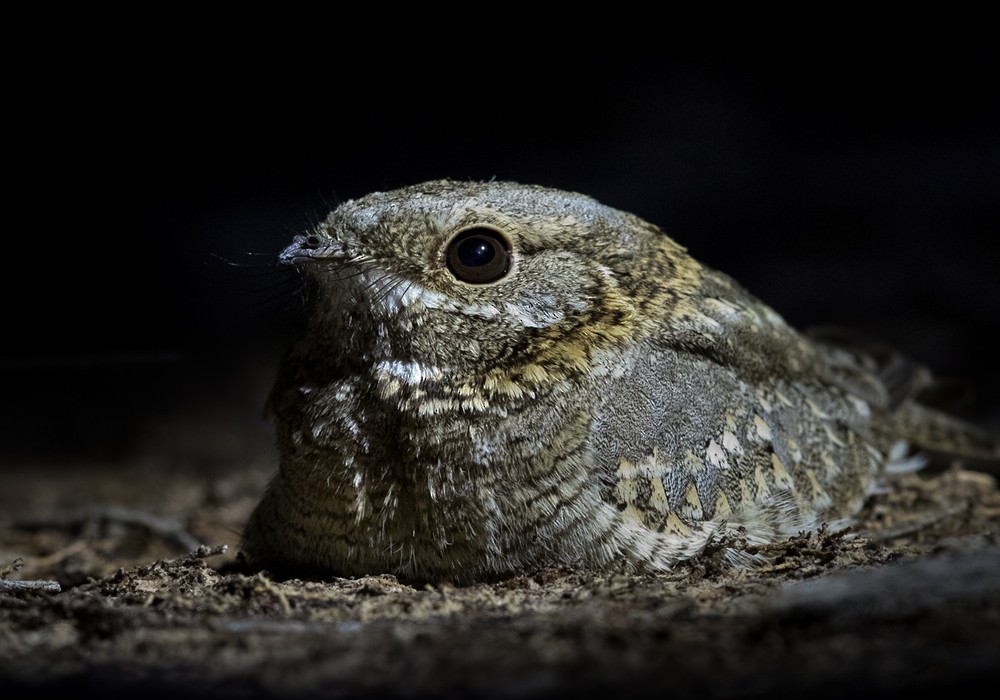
(479, 256)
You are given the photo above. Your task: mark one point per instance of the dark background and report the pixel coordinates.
(149, 191)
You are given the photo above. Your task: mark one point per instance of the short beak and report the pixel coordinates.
(305, 248)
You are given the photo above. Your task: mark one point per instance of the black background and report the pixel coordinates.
(149, 187)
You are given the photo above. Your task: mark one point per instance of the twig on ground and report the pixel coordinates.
(169, 530)
(58, 555)
(913, 526)
(44, 586)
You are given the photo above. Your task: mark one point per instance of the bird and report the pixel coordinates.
(498, 377)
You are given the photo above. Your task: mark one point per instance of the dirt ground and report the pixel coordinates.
(913, 604)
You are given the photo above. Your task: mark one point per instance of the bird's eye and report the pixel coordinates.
(479, 256)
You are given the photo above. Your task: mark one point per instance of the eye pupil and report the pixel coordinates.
(475, 251)
(479, 256)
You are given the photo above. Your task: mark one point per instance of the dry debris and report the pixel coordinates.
(905, 601)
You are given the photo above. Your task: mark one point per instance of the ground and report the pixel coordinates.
(909, 600)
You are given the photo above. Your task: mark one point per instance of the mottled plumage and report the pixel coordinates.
(499, 377)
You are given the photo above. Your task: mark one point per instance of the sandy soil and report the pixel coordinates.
(912, 603)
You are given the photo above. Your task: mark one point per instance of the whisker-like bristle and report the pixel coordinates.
(373, 284)
(353, 270)
(258, 265)
(394, 284)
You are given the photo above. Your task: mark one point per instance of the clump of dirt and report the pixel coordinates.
(909, 599)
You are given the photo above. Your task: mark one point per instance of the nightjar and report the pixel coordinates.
(498, 377)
